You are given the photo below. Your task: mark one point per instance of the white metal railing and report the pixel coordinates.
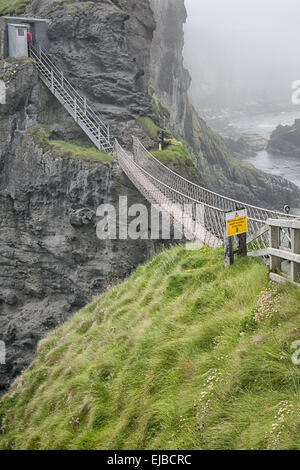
(76, 105)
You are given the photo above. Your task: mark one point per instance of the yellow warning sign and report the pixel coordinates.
(236, 222)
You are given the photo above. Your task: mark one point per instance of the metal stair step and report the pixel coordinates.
(72, 103)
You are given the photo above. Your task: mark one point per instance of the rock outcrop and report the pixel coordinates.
(233, 177)
(169, 79)
(285, 140)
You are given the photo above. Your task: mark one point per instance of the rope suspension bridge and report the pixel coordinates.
(204, 219)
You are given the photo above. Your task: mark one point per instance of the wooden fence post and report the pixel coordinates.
(242, 244)
(295, 267)
(228, 251)
(275, 262)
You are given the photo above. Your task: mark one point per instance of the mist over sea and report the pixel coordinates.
(245, 62)
(262, 125)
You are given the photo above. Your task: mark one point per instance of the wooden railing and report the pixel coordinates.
(283, 250)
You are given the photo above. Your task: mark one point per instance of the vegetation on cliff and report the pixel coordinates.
(63, 149)
(149, 126)
(10, 7)
(177, 155)
(15, 7)
(182, 355)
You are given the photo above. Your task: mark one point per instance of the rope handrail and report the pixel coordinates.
(204, 224)
(161, 185)
(218, 209)
(170, 188)
(238, 203)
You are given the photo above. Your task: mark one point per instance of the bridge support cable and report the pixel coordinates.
(161, 185)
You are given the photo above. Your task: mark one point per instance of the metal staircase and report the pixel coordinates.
(73, 102)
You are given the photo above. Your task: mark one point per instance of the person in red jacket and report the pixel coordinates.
(29, 40)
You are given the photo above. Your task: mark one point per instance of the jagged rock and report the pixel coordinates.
(170, 80)
(285, 140)
(10, 298)
(82, 217)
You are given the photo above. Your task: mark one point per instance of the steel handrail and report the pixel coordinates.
(58, 83)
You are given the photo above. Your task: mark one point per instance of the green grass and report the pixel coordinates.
(10, 7)
(63, 149)
(175, 155)
(148, 126)
(236, 162)
(73, 7)
(80, 8)
(160, 110)
(172, 358)
(18, 59)
(77, 8)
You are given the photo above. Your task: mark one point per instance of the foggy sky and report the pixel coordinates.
(240, 51)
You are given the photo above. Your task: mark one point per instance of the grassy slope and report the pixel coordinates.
(63, 149)
(171, 358)
(149, 126)
(175, 155)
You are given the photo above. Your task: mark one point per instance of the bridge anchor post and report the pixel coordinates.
(242, 244)
(228, 251)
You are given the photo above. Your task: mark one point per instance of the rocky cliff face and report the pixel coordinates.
(233, 177)
(51, 261)
(104, 50)
(169, 80)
